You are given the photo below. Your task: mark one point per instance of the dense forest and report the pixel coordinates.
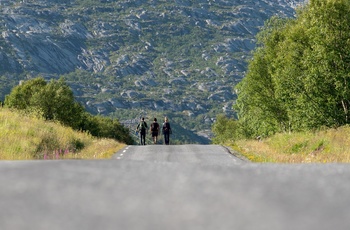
(298, 78)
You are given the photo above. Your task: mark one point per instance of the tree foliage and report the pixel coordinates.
(55, 101)
(106, 127)
(225, 129)
(299, 76)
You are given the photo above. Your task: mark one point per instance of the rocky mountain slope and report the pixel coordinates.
(127, 58)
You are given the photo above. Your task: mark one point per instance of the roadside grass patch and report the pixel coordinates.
(24, 137)
(298, 147)
(324, 146)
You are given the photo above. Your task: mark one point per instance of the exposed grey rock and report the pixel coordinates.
(208, 86)
(95, 61)
(74, 30)
(101, 107)
(223, 95)
(131, 94)
(118, 103)
(159, 105)
(209, 73)
(227, 108)
(136, 49)
(144, 82)
(129, 65)
(200, 107)
(177, 81)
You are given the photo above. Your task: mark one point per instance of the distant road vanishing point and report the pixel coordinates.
(194, 187)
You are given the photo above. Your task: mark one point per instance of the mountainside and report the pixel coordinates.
(127, 58)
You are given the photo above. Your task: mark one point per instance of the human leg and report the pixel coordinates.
(143, 138)
(166, 138)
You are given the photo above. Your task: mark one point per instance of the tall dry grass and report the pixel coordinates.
(24, 138)
(326, 146)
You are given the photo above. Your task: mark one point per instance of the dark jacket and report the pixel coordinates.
(166, 128)
(139, 127)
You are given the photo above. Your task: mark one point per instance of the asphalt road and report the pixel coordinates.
(173, 187)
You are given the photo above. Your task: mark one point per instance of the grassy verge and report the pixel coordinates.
(327, 146)
(26, 138)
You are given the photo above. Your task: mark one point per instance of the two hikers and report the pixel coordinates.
(154, 130)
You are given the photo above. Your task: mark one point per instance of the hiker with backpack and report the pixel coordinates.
(142, 127)
(154, 130)
(166, 130)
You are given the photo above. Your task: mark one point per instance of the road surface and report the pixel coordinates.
(194, 187)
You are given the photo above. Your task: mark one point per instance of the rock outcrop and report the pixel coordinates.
(132, 54)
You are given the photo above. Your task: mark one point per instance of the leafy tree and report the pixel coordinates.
(53, 100)
(299, 76)
(21, 95)
(260, 112)
(105, 127)
(56, 102)
(225, 129)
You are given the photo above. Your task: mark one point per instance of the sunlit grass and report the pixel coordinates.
(24, 138)
(327, 146)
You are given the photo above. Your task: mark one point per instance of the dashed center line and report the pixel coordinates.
(122, 154)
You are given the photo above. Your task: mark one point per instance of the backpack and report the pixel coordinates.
(154, 127)
(142, 126)
(165, 127)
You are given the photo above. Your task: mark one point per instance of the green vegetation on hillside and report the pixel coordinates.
(24, 137)
(177, 57)
(54, 101)
(324, 146)
(299, 76)
(297, 83)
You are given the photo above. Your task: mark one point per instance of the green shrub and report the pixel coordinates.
(54, 101)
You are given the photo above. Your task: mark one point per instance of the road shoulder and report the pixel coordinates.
(236, 154)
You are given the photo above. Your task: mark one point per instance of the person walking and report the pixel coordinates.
(142, 127)
(166, 131)
(154, 130)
